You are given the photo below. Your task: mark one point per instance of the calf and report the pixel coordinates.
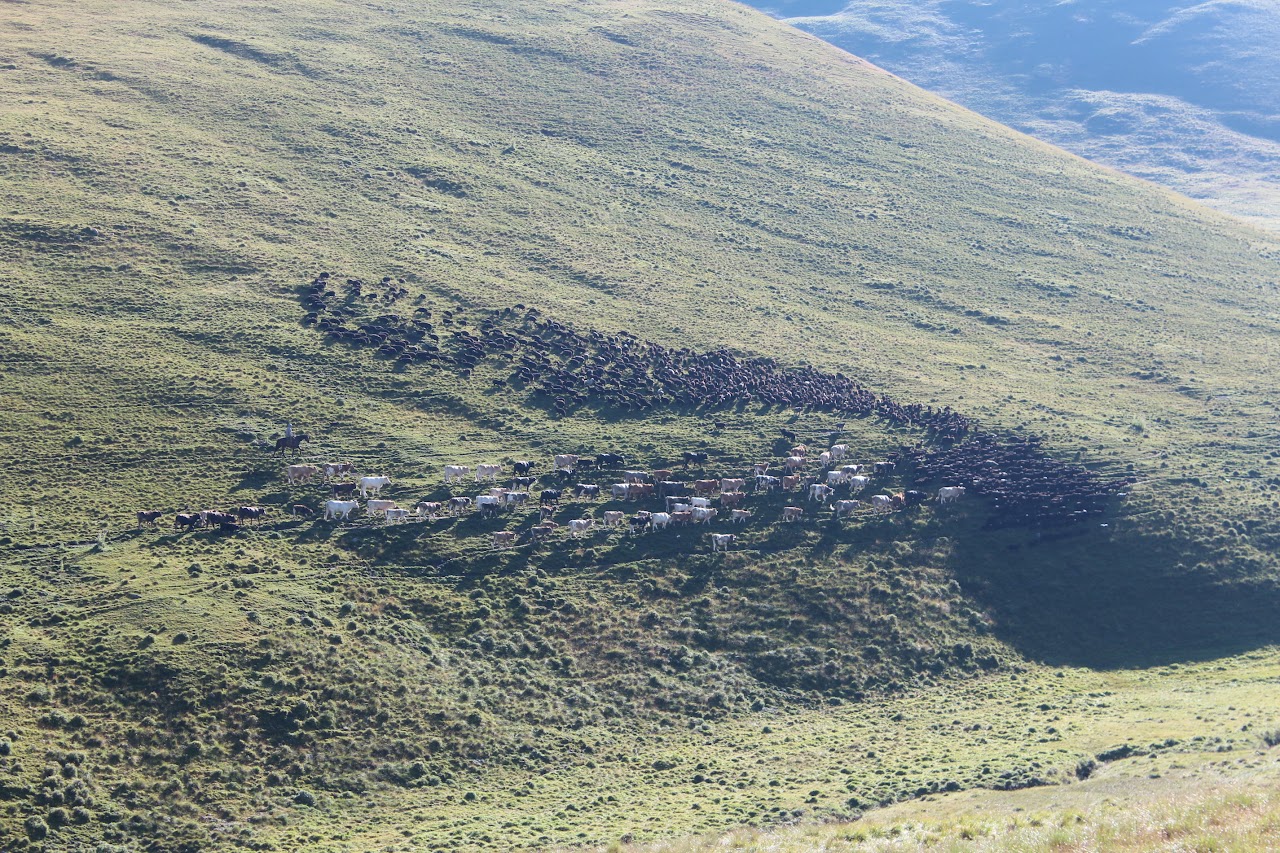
(760, 469)
(741, 516)
(378, 507)
(396, 515)
(696, 457)
(523, 482)
(792, 513)
(503, 538)
(641, 520)
(545, 513)
(337, 469)
(488, 505)
(302, 511)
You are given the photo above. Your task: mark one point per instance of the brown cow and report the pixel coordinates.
(684, 517)
(728, 499)
(660, 475)
(792, 513)
(705, 487)
(791, 483)
(640, 490)
(503, 538)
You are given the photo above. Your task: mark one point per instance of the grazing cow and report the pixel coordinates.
(760, 469)
(610, 460)
(613, 517)
(789, 435)
(545, 513)
(457, 505)
(503, 538)
(148, 517)
(586, 490)
(703, 515)
(550, 496)
(882, 503)
(851, 470)
(947, 494)
(683, 517)
(255, 513)
(732, 484)
(586, 464)
(579, 526)
(793, 463)
(621, 491)
(228, 527)
(372, 484)
(186, 521)
(635, 476)
(523, 482)
(729, 499)
(566, 462)
(792, 513)
(488, 472)
(838, 451)
(337, 469)
(800, 450)
(819, 492)
(660, 475)
(378, 507)
(765, 483)
(455, 473)
(524, 466)
(339, 509)
(396, 515)
(741, 516)
(721, 541)
(705, 487)
(791, 483)
(296, 474)
(641, 520)
(302, 510)
(696, 457)
(661, 520)
(857, 484)
(342, 490)
(846, 508)
(883, 469)
(427, 509)
(487, 504)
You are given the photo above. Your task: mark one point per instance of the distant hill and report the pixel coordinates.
(1186, 95)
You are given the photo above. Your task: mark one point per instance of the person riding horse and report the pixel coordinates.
(290, 441)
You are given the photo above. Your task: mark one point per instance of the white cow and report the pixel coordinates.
(824, 459)
(487, 504)
(681, 507)
(613, 517)
(566, 462)
(296, 474)
(621, 491)
(850, 470)
(819, 492)
(336, 469)
(661, 520)
(857, 484)
(396, 515)
(702, 515)
(721, 541)
(741, 516)
(487, 472)
(515, 498)
(378, 507)
(579, 526)
(427, 509)
(455, 473)
(699, 503)
(947, 494)
(372, 484)
(882, 503)
(838, 451)
(635, 476)
(792, 513)
(846, 508)
(835, 478)
(793, 463)
(339, 509)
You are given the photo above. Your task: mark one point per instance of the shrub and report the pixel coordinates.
(36, 828)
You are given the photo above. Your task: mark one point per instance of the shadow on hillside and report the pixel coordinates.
(1107, 599)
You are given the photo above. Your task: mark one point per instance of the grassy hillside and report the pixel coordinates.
(690, 173)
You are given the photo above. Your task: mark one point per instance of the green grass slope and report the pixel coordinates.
(692, 173)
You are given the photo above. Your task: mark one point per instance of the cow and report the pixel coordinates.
(455, 473)
(838, 451)
(635, 476)
(515, 498)
(883, 469)
(427, 509)
(550, 496)
(791, 483)
(789, 435)
(857, 484)
(540, 531)
(699, 503)
(545, 513)
(488, 471)
(882, 503)
(792, 513)
(148, 517)
(503, 538)
(566, 462)
(661, 520)
(660, 475)
(621, 491)
(487, 504)
(800, 450)
(846, 508)
(702, 515)
(186, 521)
(721, 541)
(819, 492)
(523, 482)
(697, 457)
(851, 470)
(734, 484)
(524, 466)
(337, 469)
(793, 463)
(396, 515)
(765, 483)
(610, 460)
(613, 517)
(674, 488)
(705, 487)
(228, 527)
(835, 478)
(731, 499)
(302, 511)
(760, 469)
(639, 491)
(457, 505)
(682, 517)
(212, 517)
(296, 474)
(741, 516)
(579, 526)
(586, 490)
(824, 459)
(342, 490)
(947, 494)
(254, 513)
(675, 505)
(339, 509)
(378, 507)
(372, 484)
(912, 497)
(641, 520)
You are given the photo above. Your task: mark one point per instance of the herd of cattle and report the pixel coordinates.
(569, 369)
(825, 479)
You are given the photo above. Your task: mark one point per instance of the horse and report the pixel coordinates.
(291, 442)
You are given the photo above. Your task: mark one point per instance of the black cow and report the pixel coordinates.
(343, 490)
(523, 467)
(589, 490)
(698, 457)
(550, 496)
(610, 460)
